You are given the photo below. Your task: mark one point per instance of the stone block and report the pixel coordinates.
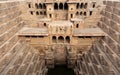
(114, 25)
(116, 11)
(2, 5)
(116, 4)
(109, 3)
(107, 21)
(102, 12)
(109, 9)
(105, 2)
(116, 18)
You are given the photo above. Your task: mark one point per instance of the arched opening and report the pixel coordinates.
(31, 12)
(71, 15)
(77, 6)
(37, 13)
(77, 13)
(84, 13)
(44, 12)
(94, 5)
(90, 13)
(60, 6)
(41, 13)
(60, 39)
(81, 6)
(40, 5)
(67, 39)
(54, 39)
(80, 13)
(45, 24)
(50, 15)
(66, 6)
(36, 5)
(77, 26)
(85, 6)
(55, 6)
(44, 6)
(29, 5)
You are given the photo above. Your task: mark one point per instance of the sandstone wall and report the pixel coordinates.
(104, 56)
(87, 10)
(16, 58)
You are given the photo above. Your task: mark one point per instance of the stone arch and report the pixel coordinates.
(44, 6)
(81, 13)
(41, 13)
(61, 6)
(71, 15)
(31, 12)
(77, 26)
(67, 39)
(45, 13)
(77, 6)
(60, 39)
(77, 13)
(37, 13)
(85, 13)
(93, 5)
(45, 24)
(54, 39)
(56, 6)
(29, 5)
(85, 6)
(36, 5)
(91, 13)
(50, 15)
(40, 5)
(82, 5)
(66, 6)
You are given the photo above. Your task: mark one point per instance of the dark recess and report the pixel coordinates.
(61, 70)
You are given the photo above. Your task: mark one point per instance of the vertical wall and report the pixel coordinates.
(104, 56)
(16, 57)
(88, 10)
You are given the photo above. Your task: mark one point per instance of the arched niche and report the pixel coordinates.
(55, 6)
(60, 39)
(67, 39)
(54, 39)
(66, 6)
(61, 6)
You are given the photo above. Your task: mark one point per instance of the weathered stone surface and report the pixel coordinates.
(116, 11)
(116, 4)
(105, 53)
(86, 55)
(15, 56)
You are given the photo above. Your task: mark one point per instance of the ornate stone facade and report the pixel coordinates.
(38, 34)
(62, 29)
